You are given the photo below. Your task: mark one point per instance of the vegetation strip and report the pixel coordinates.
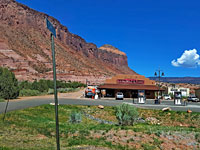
(11, 88)
(34, 128)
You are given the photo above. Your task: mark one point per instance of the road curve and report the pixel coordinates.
(26, 103)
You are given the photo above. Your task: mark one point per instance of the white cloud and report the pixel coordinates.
(189, 59)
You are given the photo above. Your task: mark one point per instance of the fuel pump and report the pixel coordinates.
(177, 98)
(141, 97)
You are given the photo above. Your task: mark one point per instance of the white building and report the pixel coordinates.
(184, 91)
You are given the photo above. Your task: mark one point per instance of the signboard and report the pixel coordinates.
(130, 81)
(177, 95)
(141, 93)
(50, 27)
(53, 31)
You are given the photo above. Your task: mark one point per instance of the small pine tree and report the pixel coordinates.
(8, 84)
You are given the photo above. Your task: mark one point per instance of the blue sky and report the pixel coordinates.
(152, 33)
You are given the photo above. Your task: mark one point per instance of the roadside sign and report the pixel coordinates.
(53, 31)
(50, 27)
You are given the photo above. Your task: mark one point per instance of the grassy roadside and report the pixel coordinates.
(34, 128)
(2, 100)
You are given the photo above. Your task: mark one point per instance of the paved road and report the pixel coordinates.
(21, 104)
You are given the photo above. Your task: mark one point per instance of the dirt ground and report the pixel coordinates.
(72, 95)
(165, 141)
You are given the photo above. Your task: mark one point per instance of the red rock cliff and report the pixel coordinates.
(23, 31)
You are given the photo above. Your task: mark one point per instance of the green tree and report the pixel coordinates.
(25, 85)
(50, 84)
(42, 85)
(8, 84)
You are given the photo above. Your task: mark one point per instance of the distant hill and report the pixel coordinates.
(191, 80)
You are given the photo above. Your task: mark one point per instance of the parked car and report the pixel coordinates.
(119, 95)
(166, 97)
(159, 97)
(89, 94)
(193, 98)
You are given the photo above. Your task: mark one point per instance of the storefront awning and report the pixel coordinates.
(130, 87)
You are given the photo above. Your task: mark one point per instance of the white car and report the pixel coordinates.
(120, 95)
(193, 98)
(166, 97)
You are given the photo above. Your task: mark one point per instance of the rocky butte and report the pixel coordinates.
(25, 49)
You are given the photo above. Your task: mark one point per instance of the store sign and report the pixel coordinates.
(130, 81)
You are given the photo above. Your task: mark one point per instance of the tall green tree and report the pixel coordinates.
(8, 84)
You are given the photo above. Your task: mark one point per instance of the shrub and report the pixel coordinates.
(2, 100)
(44, 85)
(197, 137)
(41, 85)
(157, 141)
(148, 146)
(75, 117)
(25, 85)
(28, 92)
(63, 90)
(172, 95)
(71, 89)
(126, 114)
(51, 91)
(158, 133)
(9, 88)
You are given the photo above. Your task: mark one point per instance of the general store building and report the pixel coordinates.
(129, 86)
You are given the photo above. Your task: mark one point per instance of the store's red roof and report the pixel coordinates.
(129, 87)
